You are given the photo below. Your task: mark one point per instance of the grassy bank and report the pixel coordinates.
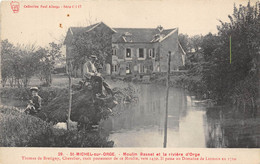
(191, 83)
(20, 130)
(23, 94)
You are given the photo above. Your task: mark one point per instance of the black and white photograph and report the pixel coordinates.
(130, 74)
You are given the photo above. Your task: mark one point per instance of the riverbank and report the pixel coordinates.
(21, 130)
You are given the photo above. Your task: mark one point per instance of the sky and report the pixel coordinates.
(41, 26)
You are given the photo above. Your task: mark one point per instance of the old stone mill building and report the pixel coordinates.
(134, 51)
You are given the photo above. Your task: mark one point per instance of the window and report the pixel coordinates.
(115, 68)
(114, 51)
(153, 54)
(150, 53)
(128, 53)
(128, 68)
(141, 68)
(141, 53)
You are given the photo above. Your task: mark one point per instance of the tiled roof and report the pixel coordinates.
(76, 30)
(136, 35)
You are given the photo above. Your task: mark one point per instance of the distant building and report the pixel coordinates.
(135, 50)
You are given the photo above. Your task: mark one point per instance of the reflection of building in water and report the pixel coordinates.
(150, 111)
(143, 124)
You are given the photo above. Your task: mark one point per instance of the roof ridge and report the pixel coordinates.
(85, 26)
(132, 28)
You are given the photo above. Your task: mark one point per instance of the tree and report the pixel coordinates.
(47, 57)
(195, 42)
(184, 41)
(8, 56)
(237, 81)
(97, 42)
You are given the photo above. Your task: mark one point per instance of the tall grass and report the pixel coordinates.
(20, 130)
(17, 128)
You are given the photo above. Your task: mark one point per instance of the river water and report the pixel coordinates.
(190, 124)
(141, 124)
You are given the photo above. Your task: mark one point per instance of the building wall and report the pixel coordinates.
(134, 64)
(170, 44)
(121, 65)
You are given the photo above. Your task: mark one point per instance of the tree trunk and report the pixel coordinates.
(11, 82)
(18, 83)
(50, 78)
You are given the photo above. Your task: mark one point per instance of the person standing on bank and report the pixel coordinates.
(90, 72)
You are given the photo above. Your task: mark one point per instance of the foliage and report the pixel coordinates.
(185, 42)
(47, 93)
(47, 58)
(17, 129)
(210, 71)
(20, 63)
(20, 130)
(230, 81)
(99, 45)
(71, 138)
(190, 43)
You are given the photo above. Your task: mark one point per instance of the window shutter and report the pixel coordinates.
(145, 53)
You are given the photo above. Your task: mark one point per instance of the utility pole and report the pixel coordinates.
(167, 97)
(69, 72)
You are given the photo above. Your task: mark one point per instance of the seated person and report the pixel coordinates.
(90, 72)
(34, 105)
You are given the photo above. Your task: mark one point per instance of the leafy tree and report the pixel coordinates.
(97, 42)
(47, 57)
(195, 42)
(184, 41)
(237, 81)
(8, 57)
(20, 63)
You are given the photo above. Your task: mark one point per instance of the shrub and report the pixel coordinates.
(21, 130)
(17, 128)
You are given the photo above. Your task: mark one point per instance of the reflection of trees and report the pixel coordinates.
(215, 137)
(149, 111)
(225, 131)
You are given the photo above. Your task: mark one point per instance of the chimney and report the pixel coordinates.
(160, 29)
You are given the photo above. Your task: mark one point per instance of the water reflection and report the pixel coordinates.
(189, 124)
(226, 131)
(142, 124)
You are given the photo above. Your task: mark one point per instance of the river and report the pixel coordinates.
(141, 124)
(189, 124)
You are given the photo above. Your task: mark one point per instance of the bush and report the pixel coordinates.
(64, 138)
(17, 129)
(21, 130)
(47, 93)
